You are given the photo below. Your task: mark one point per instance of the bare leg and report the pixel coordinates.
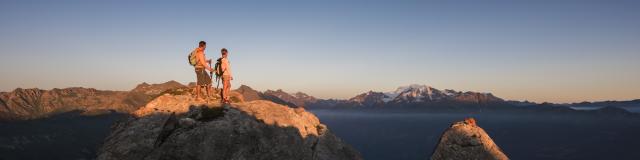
(205, 94)
(197, 91)
(209, 92)
(226, 88)
(222, 94)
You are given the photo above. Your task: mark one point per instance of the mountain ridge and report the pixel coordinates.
(411, 94)
(21, 104)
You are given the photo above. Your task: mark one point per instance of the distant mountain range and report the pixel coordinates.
(426, 97)
(412, 95)
(631, 103)
(34, 103)
(298, 99)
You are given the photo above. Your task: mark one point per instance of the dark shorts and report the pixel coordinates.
(203, 77)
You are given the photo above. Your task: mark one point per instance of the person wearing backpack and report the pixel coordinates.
(198, 60)
(225, 72)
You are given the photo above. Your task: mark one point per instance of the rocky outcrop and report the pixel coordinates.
(36, 103)
(176, 127)
(464, 140)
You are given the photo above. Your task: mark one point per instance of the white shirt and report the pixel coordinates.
(226, 68)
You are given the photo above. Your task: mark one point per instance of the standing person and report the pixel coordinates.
(203, 79)
(226, 76)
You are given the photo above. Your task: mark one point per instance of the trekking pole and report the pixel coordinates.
(210, 74)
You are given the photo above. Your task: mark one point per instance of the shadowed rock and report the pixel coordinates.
(464, 140)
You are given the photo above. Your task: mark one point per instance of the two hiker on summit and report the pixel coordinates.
(222, 71)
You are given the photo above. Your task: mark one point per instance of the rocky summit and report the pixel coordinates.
(465, 140)
(178, 127)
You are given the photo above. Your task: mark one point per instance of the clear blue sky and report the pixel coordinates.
(540, 50)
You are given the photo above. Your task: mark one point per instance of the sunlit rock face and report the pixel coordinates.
(177, 127)
(465, 140)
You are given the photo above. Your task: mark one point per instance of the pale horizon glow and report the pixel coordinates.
(541, 51)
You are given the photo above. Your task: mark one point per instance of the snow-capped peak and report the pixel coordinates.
(393, 94)
(416, 93)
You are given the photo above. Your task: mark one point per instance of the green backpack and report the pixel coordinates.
(192, 58)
